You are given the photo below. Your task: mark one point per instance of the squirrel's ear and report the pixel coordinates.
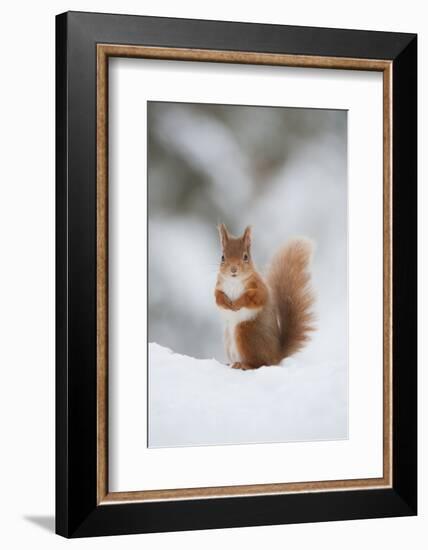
(224, 235)
(247, 237)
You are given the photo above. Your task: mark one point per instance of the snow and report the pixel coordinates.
(204, 402)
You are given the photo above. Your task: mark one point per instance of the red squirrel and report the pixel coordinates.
(265, 320)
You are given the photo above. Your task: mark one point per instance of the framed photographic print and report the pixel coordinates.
(236, 274)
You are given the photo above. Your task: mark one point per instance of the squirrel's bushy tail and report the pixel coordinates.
(289, 280)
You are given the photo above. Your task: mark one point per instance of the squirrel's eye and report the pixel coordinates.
(245, 257)
(222, 259)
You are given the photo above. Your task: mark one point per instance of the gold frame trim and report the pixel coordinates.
(104, 51)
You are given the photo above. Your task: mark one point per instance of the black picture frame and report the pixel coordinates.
(77, 511)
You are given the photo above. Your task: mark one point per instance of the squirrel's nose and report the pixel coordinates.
(234, 269)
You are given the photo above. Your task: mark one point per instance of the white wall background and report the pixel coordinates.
(27, 271)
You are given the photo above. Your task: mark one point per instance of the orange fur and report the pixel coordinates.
(255, 295)
(289, 279)
(222, 300)
(258, 343)
(272, 319)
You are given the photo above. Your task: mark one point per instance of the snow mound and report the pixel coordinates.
(203, 402)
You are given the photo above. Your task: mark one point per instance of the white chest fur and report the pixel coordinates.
(233, 288)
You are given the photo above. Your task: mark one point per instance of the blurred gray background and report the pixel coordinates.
(281, 170)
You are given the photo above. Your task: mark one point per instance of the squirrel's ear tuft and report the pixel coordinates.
(247, 236)
(224, 234)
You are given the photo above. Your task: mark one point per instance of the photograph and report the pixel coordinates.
(212, 261)
(247, 274)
